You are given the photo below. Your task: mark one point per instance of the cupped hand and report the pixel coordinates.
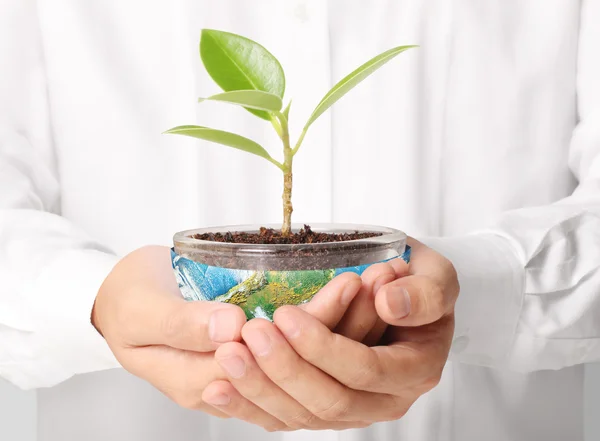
(426, 294)
(299, 374)
(158, 336)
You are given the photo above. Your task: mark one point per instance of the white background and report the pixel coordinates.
(18, 410)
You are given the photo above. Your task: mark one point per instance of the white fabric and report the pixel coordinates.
(485, 140)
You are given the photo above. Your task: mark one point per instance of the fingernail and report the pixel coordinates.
(234, 366)
(289, 327)
(349, 293)
(222, 326)
(219, 400)
(258, 342)
(398, 302)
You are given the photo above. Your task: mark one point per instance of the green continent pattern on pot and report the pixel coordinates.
(258, 293)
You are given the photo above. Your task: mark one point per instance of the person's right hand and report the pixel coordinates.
(359, 321)
(158, 336)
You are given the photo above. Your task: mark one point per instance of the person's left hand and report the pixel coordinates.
(298, 374)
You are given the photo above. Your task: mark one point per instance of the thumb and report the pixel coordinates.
(412, 301)
(193, 326)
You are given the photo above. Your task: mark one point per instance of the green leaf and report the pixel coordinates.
(250, 99)
(238, 63)
(348, 83)
(224, 138)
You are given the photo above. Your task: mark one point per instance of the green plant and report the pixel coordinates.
(252, 77)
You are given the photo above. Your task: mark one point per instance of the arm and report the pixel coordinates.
(50, 269)
(530, 286)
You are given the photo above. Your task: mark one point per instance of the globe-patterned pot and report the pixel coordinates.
(260, 278)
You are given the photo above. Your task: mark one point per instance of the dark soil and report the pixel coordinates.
(271, 236)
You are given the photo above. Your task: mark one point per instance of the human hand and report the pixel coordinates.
(425, 295)
(359, 320)
(298, 374)
(158, 336)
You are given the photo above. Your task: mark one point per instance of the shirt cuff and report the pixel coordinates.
(66, 343)
(491, 278)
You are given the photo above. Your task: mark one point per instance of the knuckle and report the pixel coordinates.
(398, 410)
(436, 294)
(305, 420)
(430, 383)
(451, 271)
(398, 414)
(364, 379)
(286, 375)
(447, 267)
(367, 375)
(434, 301)
(450, 277)
(336, 410)
(452, 280)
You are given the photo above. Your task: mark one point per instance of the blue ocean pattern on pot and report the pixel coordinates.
(258, 293)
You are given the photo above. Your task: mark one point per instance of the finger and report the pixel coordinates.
(413, 301)
(427, 262)
(323, 396)
(252, 383)
(330, 303)
(156, 319)
(180, 375)
(353, 364)
(400, 266)
(224, 397)
(361, 316)
(437, 336)
(375, 335)
(429, 346)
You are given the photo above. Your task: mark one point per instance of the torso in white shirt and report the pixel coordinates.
(440, 142)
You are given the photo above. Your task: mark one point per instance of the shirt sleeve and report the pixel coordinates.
(530, 285)
(50, 269)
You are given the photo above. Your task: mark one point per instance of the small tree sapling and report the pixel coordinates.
(253, 78)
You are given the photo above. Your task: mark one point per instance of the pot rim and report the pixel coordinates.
(184, 240)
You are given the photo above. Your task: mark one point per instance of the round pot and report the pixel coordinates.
(260, 278)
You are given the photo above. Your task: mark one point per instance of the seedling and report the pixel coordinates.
(253, 78)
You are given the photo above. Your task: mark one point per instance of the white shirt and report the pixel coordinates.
(486, 139)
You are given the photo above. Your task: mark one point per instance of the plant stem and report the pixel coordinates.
(288, 154)
(276, 163)
(299, 143)
(286, 228)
